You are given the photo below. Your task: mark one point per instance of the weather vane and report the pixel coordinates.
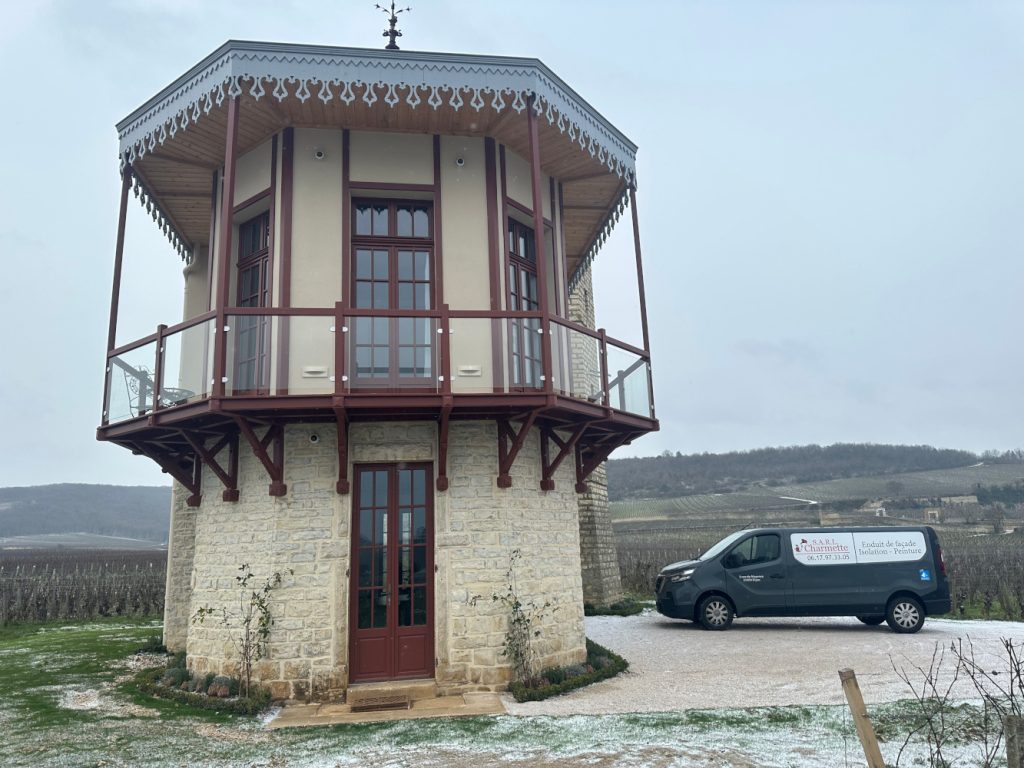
(392, 32)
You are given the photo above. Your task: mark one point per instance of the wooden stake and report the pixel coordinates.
(865, 731)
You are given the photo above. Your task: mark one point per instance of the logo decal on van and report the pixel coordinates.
(926, 575)
(849, 548)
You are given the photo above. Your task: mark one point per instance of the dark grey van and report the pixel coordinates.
(893, 574)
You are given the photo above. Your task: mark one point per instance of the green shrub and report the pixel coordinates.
(601, 664)
(554, 675)
(174, 676)
(627, 607)
(148, 682)
(153, 644)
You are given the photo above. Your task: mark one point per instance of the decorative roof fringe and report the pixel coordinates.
(298, 71)
(163, 222)
(435, 78)
(370, 94)
(618, 208)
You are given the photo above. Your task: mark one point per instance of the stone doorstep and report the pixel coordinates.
(389, 694)
(466, 705)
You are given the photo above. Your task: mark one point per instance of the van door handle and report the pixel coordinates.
(775, 576)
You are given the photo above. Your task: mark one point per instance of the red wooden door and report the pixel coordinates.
(392, 584)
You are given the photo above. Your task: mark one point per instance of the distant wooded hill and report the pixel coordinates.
(136, 512)
(671, 476)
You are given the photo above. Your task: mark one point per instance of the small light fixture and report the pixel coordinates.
(319, 154)
(460, 161)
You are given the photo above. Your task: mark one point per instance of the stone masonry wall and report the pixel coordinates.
(477, 526)
(602, 583)
(180, 553)
(304, 532)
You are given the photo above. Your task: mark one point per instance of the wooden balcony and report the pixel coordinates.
(168, 394)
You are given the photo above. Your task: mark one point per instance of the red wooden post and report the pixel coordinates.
(639, 269)
(539, 243)
(604, 367)
(115, 293)
(444, 356)
(158, 368)
(227, 208)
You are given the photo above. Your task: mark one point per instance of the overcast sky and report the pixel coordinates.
(831, 204)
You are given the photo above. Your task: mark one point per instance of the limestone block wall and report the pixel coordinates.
(181, 544)
(602, 584)
(477, 526)
(304, 532)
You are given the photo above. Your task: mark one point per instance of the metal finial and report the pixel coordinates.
(392, 32)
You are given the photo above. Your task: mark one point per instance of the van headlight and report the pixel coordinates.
(682, 575)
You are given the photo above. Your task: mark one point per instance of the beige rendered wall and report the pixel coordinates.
(518, 184)
(392, 158)
(186, 365)
(467, 273)
(252, 172)
(316, 219)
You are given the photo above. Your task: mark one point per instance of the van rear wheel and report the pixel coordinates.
(871, 621)
(905, 615)
(715, 612)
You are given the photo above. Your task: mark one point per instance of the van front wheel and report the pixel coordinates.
(905, 615)
(715, 612)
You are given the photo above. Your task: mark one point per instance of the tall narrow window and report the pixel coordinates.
(252, 368)
(524, 332)
(392, 269)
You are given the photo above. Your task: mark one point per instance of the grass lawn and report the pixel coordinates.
(64, 702)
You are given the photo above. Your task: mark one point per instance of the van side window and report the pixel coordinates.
(756, 549)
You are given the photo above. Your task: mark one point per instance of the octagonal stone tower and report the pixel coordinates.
(386, 379)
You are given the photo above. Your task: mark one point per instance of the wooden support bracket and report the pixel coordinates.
(228, 476)
(171, 464)
(565, 447)
(274, 465)
(342, 486)
(507, 454)
(595, 456)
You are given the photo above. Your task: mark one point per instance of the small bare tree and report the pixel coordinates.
(932, 699)
(253, 620)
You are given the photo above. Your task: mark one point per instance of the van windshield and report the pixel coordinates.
(720, 547)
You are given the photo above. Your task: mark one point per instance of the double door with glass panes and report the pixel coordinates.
(392, 269)
(392, 579)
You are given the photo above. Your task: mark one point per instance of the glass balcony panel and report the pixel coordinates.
(525, 359)
(304, 361)
(392, 353)
(130, 383)
(576, 358)
(278, 355)
(479, 355)
(248, 369)
(187, 367)
(629, 380)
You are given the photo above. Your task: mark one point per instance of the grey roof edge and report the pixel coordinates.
(503, 81)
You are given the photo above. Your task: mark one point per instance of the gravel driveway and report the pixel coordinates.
(761, 662)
